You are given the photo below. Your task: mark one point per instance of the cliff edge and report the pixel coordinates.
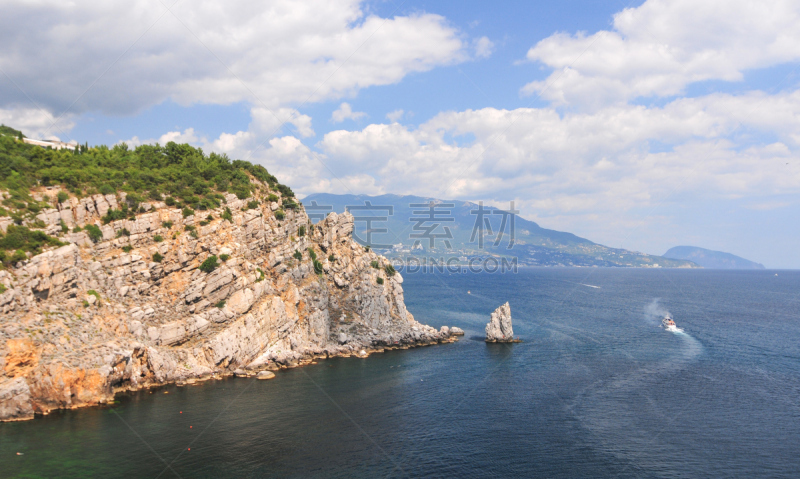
(162, 297)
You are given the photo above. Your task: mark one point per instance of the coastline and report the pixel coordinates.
(246, 289)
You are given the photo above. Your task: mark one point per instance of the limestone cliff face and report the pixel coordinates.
(84, 321)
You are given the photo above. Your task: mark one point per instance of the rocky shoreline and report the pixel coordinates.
(172, 298)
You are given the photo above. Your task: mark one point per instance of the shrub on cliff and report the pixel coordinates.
(114, 215)
(24, 239)
(157, 257)
(227, 215)
(209, 265)
(94, 232)
(280, 215)
(285, 190)
(390, 271)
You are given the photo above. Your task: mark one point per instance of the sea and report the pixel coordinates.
(596, 389)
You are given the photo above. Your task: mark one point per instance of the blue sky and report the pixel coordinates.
(489, 82)
(643, 125)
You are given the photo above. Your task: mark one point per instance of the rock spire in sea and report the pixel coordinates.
(499, 327)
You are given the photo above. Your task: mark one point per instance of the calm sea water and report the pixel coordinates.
(596, 390)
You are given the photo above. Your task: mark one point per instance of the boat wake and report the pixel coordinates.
(582, 284)
(626, 409)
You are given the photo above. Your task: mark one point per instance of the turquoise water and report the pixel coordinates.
(596, 390)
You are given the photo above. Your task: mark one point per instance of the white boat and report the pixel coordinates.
(669, 325)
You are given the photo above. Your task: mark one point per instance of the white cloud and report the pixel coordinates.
(186, 136)
(395, 115)
(584, 168)
(660, 47)
(561, 166)
(36, 123)
(266, 121)
(483, 47)
(119, 58)
(345, 112)
(603, 174)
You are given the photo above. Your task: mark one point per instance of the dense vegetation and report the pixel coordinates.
(8, 131)
(20, 239)
(181, 175)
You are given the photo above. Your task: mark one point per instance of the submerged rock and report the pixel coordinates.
(265, 375)
(499, 327)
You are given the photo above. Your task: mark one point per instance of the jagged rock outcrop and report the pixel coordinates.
(499, 329)
(84, 321)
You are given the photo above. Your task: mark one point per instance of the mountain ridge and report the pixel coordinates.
(711, 259)
(530, 243)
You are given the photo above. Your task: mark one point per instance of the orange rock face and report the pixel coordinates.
(55, 387)
(21, 358)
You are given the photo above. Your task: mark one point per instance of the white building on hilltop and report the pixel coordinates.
(54, 144)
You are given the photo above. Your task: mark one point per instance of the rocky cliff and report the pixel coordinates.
(498, 329)
(166, 298)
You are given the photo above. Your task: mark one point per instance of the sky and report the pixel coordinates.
(642, 125)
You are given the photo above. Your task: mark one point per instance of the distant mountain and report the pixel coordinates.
(711, 259)
(397, 227)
